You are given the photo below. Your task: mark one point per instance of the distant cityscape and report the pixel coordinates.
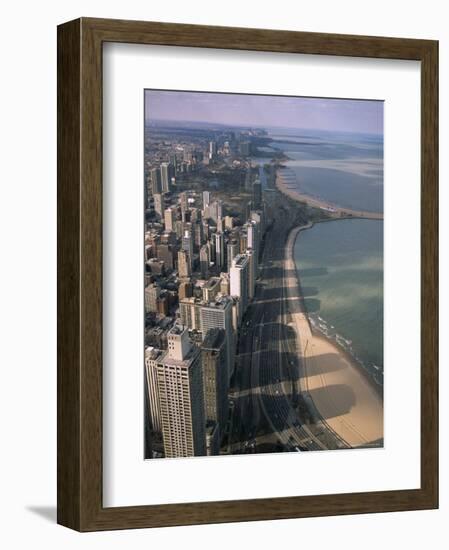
(218, 323)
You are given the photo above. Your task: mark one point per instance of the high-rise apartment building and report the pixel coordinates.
(152, 293)
(170, 219)
(183, 264)
(239, 276)
(158, 204)
(190, 312)
(181, 398)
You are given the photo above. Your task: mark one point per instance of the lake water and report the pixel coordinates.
(341, 270)
(345, 169)
(341, 262)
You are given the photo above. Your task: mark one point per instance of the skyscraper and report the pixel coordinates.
(181, 401)
(183, 199)
(190, 312)
(253, 241)
(187, 245)
(239, 276)
(152, 293)
(155, 177)
(257, 194)
(206, 199)
(204, 261)
(212, 149)
(152, 355)
(170, 219)
(183, 264)
(166, 176)
(232, 251)
(219, 250)
(218, 314)
(158, 204)
(252, 268)
(215, 377)
(216, 210)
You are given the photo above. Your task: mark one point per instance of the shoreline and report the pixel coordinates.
(342, 391)
(333, 210)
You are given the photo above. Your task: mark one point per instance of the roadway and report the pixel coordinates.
(268, 403)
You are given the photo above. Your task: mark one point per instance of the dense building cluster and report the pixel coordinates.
(201, 267)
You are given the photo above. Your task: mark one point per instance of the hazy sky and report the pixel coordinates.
(255, 110)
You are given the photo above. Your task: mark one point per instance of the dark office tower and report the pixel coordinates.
(174, 163)
(257, 194)
(215, 377)
(166, 176)
(219, 250)
(155, 177)
(248, 179)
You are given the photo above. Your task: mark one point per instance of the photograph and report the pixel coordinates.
(263, 269)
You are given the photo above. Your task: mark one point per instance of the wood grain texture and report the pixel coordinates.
(69, 407)
(80, 274)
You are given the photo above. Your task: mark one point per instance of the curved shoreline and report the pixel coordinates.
(342, 391)
(333, 210)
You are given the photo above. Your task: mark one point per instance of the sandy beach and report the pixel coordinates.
(331, 209)
(342, 394)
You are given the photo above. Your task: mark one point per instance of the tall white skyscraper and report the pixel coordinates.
(181, 398)
(239, 275)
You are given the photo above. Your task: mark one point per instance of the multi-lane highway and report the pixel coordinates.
(268, 404)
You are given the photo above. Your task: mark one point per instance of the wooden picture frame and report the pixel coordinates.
(80, 504)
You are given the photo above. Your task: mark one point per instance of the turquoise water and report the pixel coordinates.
(341, 262)
(341, 270)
